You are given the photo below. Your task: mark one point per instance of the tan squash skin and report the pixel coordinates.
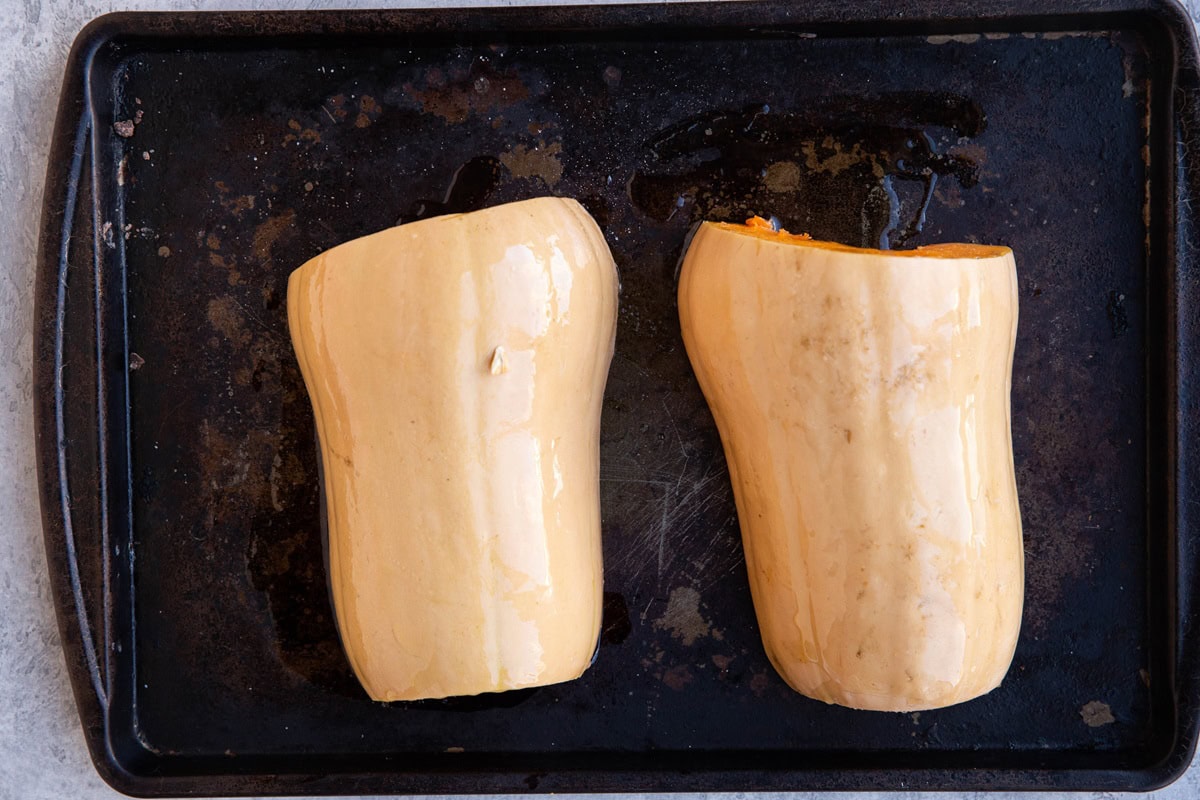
(456, 367)
(862, 399)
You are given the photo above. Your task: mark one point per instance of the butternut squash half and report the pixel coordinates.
(456, 368)
(862, 399)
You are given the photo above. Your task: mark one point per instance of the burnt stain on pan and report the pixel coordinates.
(455, 95)
(881, 157)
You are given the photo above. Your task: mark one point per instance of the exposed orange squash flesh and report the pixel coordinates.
(762, 229)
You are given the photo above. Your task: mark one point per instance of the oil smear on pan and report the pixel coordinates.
(875, 160)
(473, 183)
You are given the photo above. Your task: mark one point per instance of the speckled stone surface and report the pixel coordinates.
(42, 753)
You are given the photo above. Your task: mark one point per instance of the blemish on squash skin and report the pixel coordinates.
(499, 362)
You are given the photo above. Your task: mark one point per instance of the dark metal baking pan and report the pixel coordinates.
(199, 158)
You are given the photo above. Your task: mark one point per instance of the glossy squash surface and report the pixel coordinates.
(456, 367)
(862, 399)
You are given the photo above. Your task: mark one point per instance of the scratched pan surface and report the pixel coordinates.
(200, 158)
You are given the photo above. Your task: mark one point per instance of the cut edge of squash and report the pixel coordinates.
(759, 228)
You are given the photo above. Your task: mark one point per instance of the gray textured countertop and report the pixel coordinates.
(42, 753)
